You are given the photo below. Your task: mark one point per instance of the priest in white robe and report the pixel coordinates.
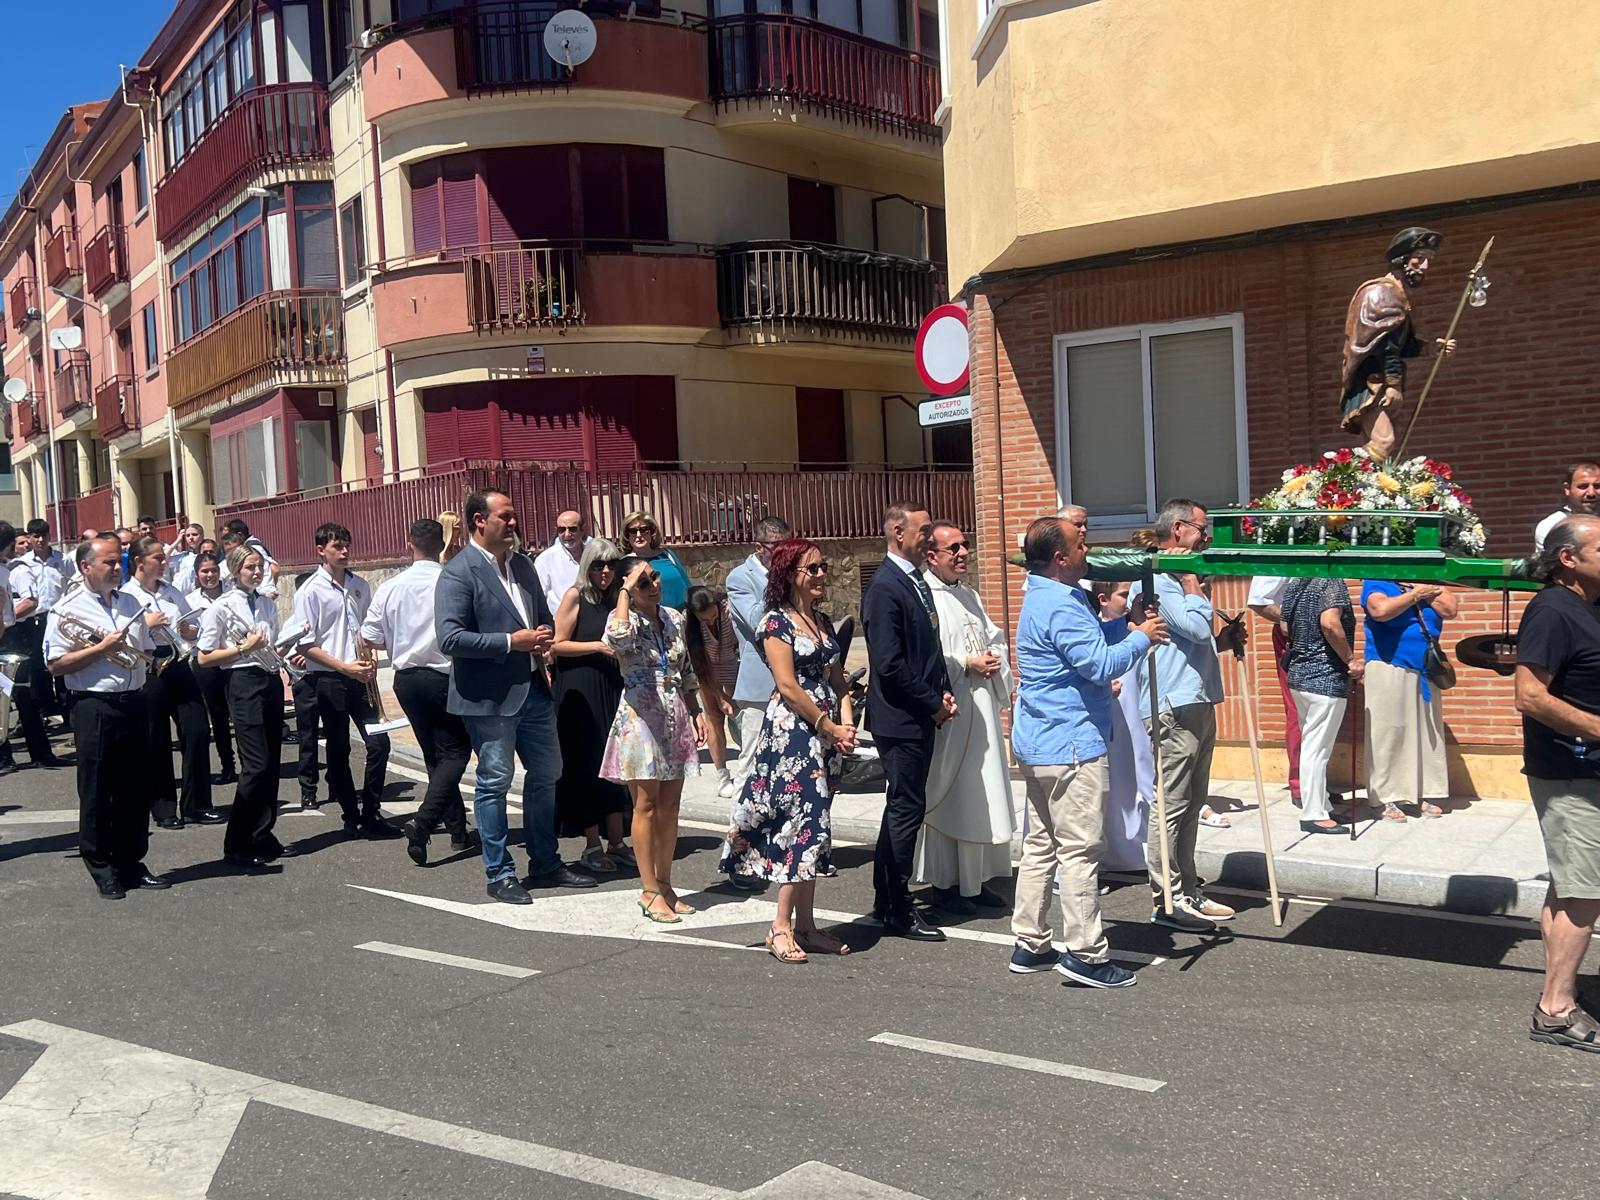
(966, 834)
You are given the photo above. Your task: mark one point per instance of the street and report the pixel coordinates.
(289, 1036)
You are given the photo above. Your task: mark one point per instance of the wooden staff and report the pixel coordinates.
(1149, 590)
(1249, 695)
(1438, 358)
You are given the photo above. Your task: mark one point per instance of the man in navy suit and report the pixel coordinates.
(494, 624)
(909, 698)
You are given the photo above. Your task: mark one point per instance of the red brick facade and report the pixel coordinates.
(1520, 399)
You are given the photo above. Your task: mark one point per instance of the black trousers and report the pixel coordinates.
(30, 713)
(255, 702)
(305, 730)
(213, 685)
(423, 695)
(341, 701)
(173, 695)
(905, 762)
(42, 683)
(112, 739)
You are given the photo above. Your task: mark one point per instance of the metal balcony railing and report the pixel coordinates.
(298, 335)
(116, 407)
(810, 289)
(522, 285)
(61, 258)
(267, 127)
(22, 299)
(29, 422)
(73, 391)
(105, 259)
(804, 62)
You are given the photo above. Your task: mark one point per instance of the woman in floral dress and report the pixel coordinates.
(652, 744)
(781, 828)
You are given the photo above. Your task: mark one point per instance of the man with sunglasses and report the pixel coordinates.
(557, 564)
(1189, 683)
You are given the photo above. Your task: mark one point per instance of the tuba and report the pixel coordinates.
(82, 635)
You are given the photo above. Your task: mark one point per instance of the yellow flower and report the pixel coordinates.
(1297, 485)
(1422, 490)
(1388, 482)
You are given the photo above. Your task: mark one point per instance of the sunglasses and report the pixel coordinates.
(633, 529)
(602, 566)
(814, 569)
(954, 548)
(1202, 530)
(649, 579)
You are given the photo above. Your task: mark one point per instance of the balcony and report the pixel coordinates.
(29, 421)
(116, 407)
(511, 286)
(267, 129)
(61, 258)
(775, 59)
(281, 339)
(808, 291)
(73, 393)
(20, 300)
(105, 260)
(704, 507)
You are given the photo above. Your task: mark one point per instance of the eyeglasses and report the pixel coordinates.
(569, 528)
(608, 565)
(649, 579)
(631, 530)
(954, 548)
(814, 569)
(1203, 530)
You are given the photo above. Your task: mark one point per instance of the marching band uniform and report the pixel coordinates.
(37, 579)
(401, 619)
(174, 694)
(213, 686)
(112, 738)
(333, 613)
(255, 702)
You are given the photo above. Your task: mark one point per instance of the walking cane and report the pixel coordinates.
(1148, 585)
(1261, 788)
(1358, 705)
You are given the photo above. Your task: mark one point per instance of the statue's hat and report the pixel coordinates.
(1408, 241)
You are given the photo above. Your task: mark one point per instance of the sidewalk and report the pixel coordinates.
(1482, 856)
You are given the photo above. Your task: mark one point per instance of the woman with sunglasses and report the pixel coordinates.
(588, 689)
(652, 744)
(781, 822)
(642, 539)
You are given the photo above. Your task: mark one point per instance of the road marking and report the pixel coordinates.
(99, 1119)
(1134, 1083)
(42, 816)
(449, 960)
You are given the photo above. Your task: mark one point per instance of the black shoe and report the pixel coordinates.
(225, 776)
(353, 829)
(954, 903)
(1336, 829)
(169, 823)
(509, 891)
(51, 763)
(8, 764)
(416, 842)
(747, 883)
(110, 889)
(377, 829)
(142, 878)
(911, 926)
(309, 801)
(562, 876)
(1095, 975)
(292, 850)
(465, 841)
(246, 862)
(206, 816)
(987, 899)
(1181, 918)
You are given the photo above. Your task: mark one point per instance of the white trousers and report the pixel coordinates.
(1320, 718)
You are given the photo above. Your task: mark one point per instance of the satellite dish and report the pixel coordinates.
(15, 391)
(69, 337)
(569, 38)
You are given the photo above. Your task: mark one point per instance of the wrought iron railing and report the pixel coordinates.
(295, 334)
(808, 288)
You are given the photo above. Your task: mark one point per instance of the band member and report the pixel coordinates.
(172, 694)
(98, 640)
(401, 620)
(304, 693)
(37, 585)
(211, 680)
(237, 633)
(180, 558)
(16, 643)
(332, 604)
(237, 531)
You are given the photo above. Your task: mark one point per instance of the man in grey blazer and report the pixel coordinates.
(492, 621)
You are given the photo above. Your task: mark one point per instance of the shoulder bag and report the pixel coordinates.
(1436, 664)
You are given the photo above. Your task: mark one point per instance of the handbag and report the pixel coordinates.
(1436, 664)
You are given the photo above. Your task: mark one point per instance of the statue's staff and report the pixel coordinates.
(1475, 293)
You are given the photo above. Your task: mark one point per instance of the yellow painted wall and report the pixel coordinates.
(1085, 128)
(727, 422)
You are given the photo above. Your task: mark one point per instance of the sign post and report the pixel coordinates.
(943, 357)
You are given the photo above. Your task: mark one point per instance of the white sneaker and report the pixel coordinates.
(1211, 910)
(726, 789)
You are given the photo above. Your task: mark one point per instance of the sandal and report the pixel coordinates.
(619, 853)
(1424, 808)
(678, 906)
(1210, 818)
(793, 954)
(1392, 812)
(817, 942)
(650, 914)
(1576, 1029)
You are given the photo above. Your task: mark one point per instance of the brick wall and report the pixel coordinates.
(1518, 400)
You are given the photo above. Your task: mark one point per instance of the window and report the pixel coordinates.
(141, 183)
(247, 464)
(8, 474)
(313, 455)
(353, 242)
(1148, 412)
(152, 348)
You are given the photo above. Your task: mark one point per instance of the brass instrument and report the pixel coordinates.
(183, 650)
(366, 654)
(265, 656)
(82, 635)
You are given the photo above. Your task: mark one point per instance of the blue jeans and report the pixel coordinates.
(531, 737)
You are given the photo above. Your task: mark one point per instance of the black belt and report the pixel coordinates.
(108, 697)
(429, 670)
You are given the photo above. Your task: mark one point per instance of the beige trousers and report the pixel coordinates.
(1065, 831)
(1404, 738)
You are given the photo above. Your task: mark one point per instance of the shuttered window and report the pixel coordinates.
(317, 248)
(819, 421)
(427, 221)
(371, 460)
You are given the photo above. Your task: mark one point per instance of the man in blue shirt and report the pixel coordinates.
(1189, 682)
(1066, 660)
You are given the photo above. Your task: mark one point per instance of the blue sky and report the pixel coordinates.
(59, 54)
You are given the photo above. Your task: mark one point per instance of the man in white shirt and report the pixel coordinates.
(180, 558)
(108, 720)
(37, 585)
(401, 620)
(8, 666)
(1582, 491)
(557, 565)
(332, 604)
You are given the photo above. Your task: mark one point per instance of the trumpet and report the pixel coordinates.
(82, 635)
(183, 650)
(265, 656)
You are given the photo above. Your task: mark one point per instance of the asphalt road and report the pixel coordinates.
(231, 1038)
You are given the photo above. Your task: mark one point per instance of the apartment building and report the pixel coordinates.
(1160, 211)
(348, 257)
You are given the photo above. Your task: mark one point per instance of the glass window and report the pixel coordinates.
(255, 460)
(313, 451)
(152, 350)
(8, 475)
(316, 248)
(141, 181)
(252, 274)
(227, 275)
(221, 471)
(353, 242)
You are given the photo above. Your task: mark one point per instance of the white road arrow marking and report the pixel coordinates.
(99, 1119)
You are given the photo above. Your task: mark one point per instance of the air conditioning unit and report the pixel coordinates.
(325, 399)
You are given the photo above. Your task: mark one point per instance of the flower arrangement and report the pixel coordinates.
(1353, 481)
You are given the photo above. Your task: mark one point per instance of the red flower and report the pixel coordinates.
(1344, 456)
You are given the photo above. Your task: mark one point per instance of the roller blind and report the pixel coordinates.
(1192, 382)
(1105, 422)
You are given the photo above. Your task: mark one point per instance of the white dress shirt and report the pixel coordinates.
(401, 618)
(557, 571)
(506, 582)
(242, 610)
(180, 571)
(198, 601)
(1267, 589)
(39, 581)
(102, 675)
(268, 587)
(166, 599)
(8, 612)
(333, 614)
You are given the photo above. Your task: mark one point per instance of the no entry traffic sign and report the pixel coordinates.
(943, 360)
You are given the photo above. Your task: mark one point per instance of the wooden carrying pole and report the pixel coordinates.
(1247, 690)
(1438, 358)
(1149, 591)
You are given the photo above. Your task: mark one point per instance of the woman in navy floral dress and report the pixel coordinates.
(781, 825)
